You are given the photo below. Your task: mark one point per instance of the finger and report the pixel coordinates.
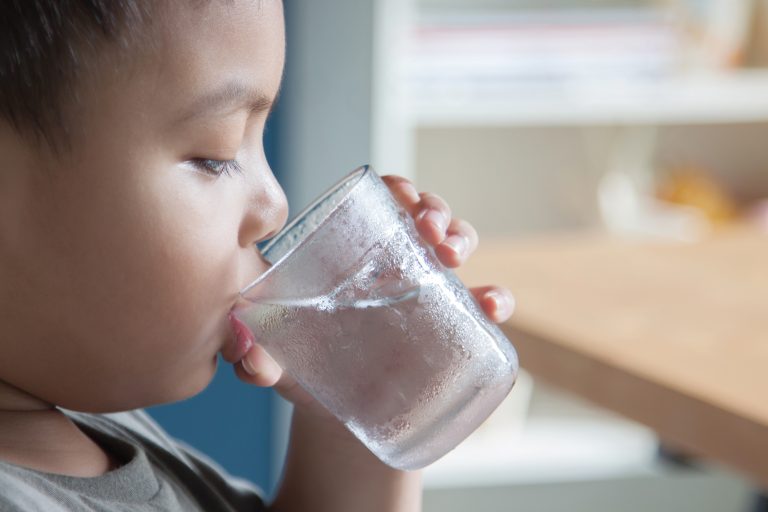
(404, 191)
(258, 368)
(287, 387)
(431, 213)
(460, 242)
(497, 302)
(433, 218)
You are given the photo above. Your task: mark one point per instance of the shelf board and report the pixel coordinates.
(546, 450)
(703, 98)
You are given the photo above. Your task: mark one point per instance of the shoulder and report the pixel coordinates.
(24, 491)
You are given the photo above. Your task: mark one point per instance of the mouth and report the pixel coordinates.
(241, 338)
(240, 342)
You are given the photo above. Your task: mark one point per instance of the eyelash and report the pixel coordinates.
(217, 167)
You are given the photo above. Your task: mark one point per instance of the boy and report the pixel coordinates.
(133, 187)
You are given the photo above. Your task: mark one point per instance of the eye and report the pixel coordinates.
(217, 167)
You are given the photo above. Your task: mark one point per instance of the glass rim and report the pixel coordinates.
(357, 175)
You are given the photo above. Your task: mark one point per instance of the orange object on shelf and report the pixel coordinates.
(693, 187)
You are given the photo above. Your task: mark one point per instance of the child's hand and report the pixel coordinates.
(453, 239)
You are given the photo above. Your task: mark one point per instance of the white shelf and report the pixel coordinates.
(665, 490)
(711, 98)
(545, 451)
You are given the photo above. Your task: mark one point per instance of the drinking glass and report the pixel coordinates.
(358, 309)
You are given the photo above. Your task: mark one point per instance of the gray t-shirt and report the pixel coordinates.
(157, 473)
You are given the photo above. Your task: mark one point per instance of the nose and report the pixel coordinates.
(266, 211)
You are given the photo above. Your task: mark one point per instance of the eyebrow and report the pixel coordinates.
(230, 95)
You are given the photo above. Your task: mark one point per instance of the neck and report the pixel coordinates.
(13, 399)
(36, 434)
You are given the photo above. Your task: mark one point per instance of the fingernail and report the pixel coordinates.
(250, 370)
(458, 243)
(504, 305)
(437, 218)
(409, 190)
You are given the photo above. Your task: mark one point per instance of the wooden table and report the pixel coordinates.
(672, 335)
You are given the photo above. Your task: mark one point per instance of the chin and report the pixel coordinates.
(122, 400)
(192, 386)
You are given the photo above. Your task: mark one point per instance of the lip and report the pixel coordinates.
(241, 341)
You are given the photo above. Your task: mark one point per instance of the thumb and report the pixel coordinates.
(258, 368)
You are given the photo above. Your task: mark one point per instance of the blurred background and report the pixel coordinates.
(638, 117)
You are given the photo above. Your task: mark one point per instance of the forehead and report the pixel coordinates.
(201, 44)
(189, 48)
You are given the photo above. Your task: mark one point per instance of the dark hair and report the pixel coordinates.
(46, 46)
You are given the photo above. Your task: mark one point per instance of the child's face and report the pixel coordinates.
(118, 266)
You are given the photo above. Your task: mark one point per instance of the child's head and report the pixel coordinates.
(121, 252)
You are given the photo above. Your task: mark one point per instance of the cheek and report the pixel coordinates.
(153, 266)
(179, 251)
